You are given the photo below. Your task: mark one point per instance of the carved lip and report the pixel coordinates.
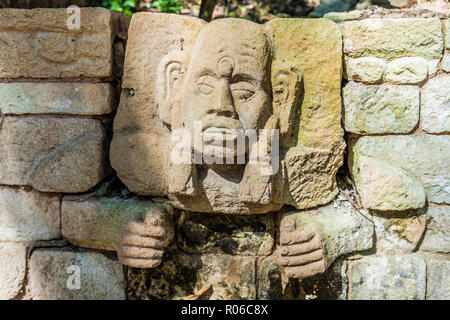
(219, 134)
(220, 123)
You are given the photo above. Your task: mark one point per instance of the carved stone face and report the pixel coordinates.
(227, 85)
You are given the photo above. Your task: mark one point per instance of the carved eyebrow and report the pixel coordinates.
(238, 77)
(206, 72)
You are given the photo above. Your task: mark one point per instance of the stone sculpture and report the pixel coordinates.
(232, 77)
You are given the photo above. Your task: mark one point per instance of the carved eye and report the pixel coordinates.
(243, 94)
(205, 85)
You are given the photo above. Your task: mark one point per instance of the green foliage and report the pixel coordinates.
(126, 7)
(168, 6)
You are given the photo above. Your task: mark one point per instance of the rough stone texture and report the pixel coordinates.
(96, 223)
(386, 187)
(366, 69)
(12, 269)
(52, 154)
(447, 33)
(436, 105)
(388, 278)
(59, 98)
(393, 38)
(438, 284)
(344, 230)
(398, 234)
(101, 278)
(181, 275)
(330, 285)
(28, 215)
(413, 155)
(445, 64)
(210, 233)
(38, 44)
(437, 235)
(407, 70)
(381, 108)
(433, 66)
(140, 146)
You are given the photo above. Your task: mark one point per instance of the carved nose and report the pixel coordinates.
(225, 103)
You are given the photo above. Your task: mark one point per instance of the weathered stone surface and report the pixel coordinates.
(366, 69)
(437, 235)
(424, 157)
(387, 278)
(392, 38)
(436, 105)
(210, 233)
(445, 64)
(330, 285)
(407, 70)
(433, 66)
(447, 33)
(398, 234)
(181, 275)
(381, 108)
(96, 223)
(343, 229)
(383, 186)
(59, 98)
(339, 17)
(140, 150)
(28, 215)
(53, 273)
(52, 154)
(12, 269)
(438, 284)
(39, 44)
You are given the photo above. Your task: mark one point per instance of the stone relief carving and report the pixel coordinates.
(210, 84)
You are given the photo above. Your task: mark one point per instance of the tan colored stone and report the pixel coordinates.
(163, 71)
(447, 33)
(407, 70)
(38, 44)
(96, 223)
(28, 215)
(392, 38)
(13, 260)
(59, 98)
(52, 154)
(61, 274)
(435, 109)
(365, 69)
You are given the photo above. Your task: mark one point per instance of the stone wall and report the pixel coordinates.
(62, 206)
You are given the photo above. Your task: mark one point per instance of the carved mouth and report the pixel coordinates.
(216, 134)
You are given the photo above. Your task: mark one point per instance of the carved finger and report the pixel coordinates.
(145, 230)
(140, 263)
(307, 270)
(134, 240)
(152, 219)
(288, 224)
(140, 253)
(302, 259)
(302, 248)
(297, 236)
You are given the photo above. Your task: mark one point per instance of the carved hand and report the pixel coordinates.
(141, 244)
(302, 251)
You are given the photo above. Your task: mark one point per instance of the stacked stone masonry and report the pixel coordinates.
(77, 177)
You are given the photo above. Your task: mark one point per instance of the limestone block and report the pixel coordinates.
(141, 146)
(408, 70)
(398, 234)
(52, 154)
(436, 105)
(39, 44)
(445, 64)
(393, 38)
(54, 273)
(437, 235)
(59, 98)
(28, 215)
(447, 33)
(96, 223)
(388, 278)
(13, 260)
(230, 277)
(366, 69)
(438, 284)
(424, 157)
(381, 108)
(433, 66)
(210, 233)
(386, 187)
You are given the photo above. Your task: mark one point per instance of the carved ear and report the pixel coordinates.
(286, 84)
(169, 81)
